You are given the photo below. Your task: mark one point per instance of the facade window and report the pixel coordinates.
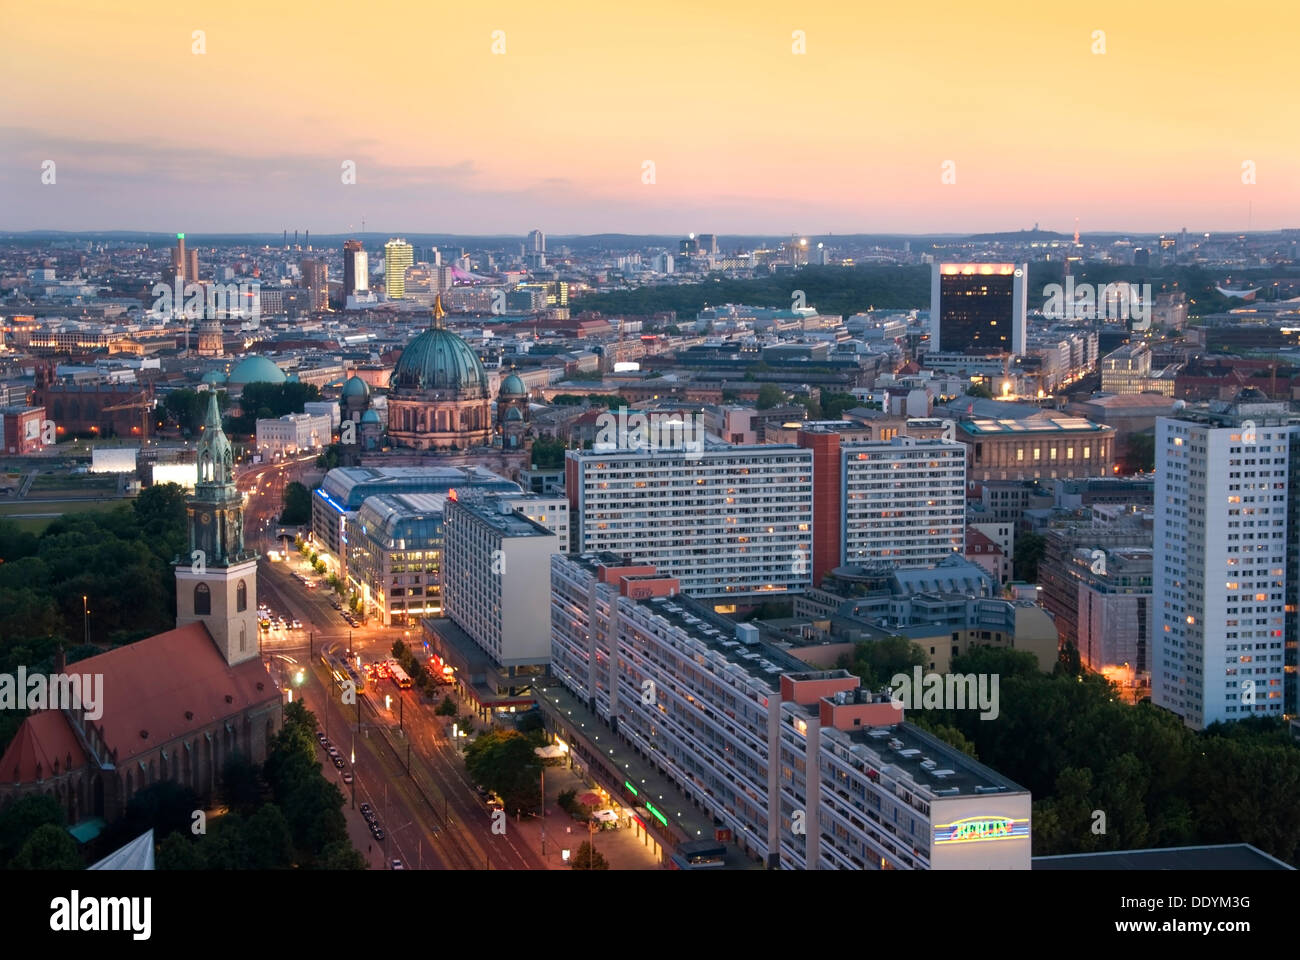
(202, 600)
(241, 597)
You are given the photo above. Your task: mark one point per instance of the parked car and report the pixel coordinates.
(338, 761)
(366, 811)
(347, 776)
(397, 865)
(377, 831)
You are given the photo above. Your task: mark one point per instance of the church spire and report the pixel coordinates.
(439, 314)
(215, 456)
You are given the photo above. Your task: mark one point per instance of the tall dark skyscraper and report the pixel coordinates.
(185, 263)
(978, 309)
(356, 268)
(315, 277)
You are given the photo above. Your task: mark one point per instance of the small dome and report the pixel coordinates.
(512, 386)
(514, 414)
(356, 387)
(370, 417)
(256, 370)
(214, 377)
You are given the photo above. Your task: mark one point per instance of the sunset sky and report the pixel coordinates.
(745, 135)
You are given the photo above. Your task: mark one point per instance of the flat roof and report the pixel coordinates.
(930, 762)
(762, 661)
(351, 485)
(507, 524)
(1063, 425)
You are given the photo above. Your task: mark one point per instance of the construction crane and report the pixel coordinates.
(144, 405)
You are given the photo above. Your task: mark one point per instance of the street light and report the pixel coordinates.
(85, 613)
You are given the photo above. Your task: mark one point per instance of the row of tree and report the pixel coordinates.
(849, 290)
(1107, 775)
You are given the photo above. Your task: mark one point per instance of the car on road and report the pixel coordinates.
(296, 624)
(376, 830)
(366, 811)
(347, 776)
(338, 761)
(324, 740)
(481, 790)
(397, 864)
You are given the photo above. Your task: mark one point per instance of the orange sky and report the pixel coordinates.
(745, 135)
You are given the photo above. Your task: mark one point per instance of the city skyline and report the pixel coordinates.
(844, 125)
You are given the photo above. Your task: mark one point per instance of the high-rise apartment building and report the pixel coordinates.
(978, 309)
(727, 521)
(903, 501)
(536, 241)
(496, 579)
(398, 256)
(1221, 574)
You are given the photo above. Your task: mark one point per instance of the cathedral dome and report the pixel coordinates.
(440, 360)
(512, 386)
(370, 417)
(256, 370)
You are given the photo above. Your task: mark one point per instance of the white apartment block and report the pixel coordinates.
(884, 794)
(727, 521)
(1220, 565)
(550, 510)
(293, 433)
(496, 583)
(710, 703)
(904, 501)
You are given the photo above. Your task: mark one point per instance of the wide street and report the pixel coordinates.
(432, 816)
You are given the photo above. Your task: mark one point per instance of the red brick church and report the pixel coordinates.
(177, 705)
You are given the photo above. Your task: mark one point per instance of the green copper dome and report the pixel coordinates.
(439, 360)
(370, 417)
(512, 386)
(256, 370)
(356, 387)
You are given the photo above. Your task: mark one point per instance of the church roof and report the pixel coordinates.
(42, 739)
(158, 689)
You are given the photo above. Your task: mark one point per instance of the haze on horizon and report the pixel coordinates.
(746, 136)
